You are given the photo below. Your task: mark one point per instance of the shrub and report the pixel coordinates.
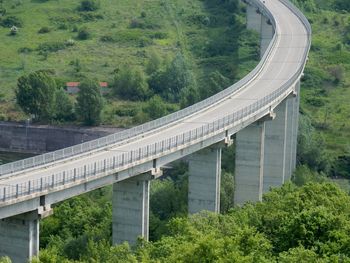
(83, 33)
(12, 21)
(35, 94)
(44, 30)
(130, 83)
(50, 47)
(13, 30)
(135, 23)
(69, 42)
(107, 38)
(24, 50)
(89, 102)
(89, 16)
(88, 5)
(155, 107)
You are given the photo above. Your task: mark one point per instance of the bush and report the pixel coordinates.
(50, 47)
(107, 38)
(63, 106)
(155, 107)
(12, 21)
(35, 94)
(89, 16)
(89, 102)
(83, 33)
(130, 83)
(88, 5)
(44, 30)
(24, 50)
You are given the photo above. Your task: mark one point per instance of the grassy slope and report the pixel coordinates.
(328, 102)
(98, 59)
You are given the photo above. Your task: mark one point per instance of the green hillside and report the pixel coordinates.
(120, 32)
(326, 85)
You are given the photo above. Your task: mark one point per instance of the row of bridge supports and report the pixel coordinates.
(265, 157)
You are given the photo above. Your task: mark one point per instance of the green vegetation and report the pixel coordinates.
(325, 87)
(89, 102)
(36, 94)
(171, 45)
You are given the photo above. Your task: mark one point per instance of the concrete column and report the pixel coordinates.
(275, 148)
(289, 138)
(131, 209)
(19, 237)
(266, 35)
(249, 163)
(253, 18)
(295, 127)
(204, 180)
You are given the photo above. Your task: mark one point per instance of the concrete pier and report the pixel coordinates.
(295, 126)
(204, 180)
(253, 18)
(249, 163)
(131, 209)
(266, 35)
(289, 138)
(275, 148)
(19, 237)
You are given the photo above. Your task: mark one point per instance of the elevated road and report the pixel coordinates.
(36, 183)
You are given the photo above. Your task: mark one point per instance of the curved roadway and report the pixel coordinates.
(285, 60)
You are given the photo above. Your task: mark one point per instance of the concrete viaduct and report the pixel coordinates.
(261, 110)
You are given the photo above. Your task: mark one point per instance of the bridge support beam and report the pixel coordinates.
(131, 209)
(204, 180)
(275, 148)
(249, 163)
(19, 237)
(253, 18)
(295, 126)
(289, 137)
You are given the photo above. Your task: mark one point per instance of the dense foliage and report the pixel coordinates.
(89, 102)
(293, 224)
(35, 94)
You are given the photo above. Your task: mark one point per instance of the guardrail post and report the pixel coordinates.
(64, 177)
(85, 172)
(74, 174)
(53, 181)
(29, 185)
(4, 197)
(95, 167)
(41, 184)
(104, 165)
(17, 191)
(113, 162)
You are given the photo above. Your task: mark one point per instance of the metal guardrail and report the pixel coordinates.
(124, 160)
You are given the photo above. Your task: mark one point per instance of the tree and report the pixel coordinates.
(171, 81)
(155, 107)
(63, 106)
(89, 102)
(88, 5)
(35, 94)
(154, 62)
(342, 5)
(215, 83)
(130, 83)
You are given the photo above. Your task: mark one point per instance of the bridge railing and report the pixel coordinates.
(120, 161)
(141, 129)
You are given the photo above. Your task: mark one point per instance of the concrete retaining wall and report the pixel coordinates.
(35, 139)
